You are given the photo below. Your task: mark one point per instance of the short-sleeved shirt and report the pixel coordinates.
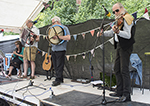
(37, 32)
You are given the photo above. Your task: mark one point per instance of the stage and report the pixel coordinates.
(67, 94)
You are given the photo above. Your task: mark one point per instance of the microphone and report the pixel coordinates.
(34, 22)
(107, 13)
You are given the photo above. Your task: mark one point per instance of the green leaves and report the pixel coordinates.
(72, 13)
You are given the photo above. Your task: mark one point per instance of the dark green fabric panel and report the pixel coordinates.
(81, 67)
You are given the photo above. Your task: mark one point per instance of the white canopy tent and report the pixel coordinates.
(14, 13)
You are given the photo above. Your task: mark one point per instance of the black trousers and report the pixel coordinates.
(16, 62)
(58, 59)
(121, 69)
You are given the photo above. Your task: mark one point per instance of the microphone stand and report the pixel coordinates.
(91, 66)
(30, 82)
(104, 102)
(103, 54)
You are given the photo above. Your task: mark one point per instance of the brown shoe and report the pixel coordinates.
(19, 75)
(23, 76)
(8, 76)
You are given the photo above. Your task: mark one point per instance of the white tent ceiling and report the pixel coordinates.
(14, 13)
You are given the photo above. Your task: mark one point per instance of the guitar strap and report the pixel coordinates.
(49, 49)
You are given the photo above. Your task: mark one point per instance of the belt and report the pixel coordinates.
(59, 51)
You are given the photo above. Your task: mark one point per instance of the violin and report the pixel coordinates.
(119, 20)
(118, 23)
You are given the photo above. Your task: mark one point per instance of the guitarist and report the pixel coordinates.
(30, 48)
(58, 52)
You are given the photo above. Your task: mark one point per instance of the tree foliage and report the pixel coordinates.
(72, 13)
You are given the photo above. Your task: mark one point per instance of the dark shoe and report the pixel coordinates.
(32, 77)
(125, 99)
(114, 95)
(55, 83)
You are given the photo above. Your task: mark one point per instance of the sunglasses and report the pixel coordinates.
(117, 10)
(54, 22)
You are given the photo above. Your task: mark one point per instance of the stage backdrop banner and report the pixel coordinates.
(82, 43)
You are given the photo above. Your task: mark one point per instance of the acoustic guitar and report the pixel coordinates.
(47, 63)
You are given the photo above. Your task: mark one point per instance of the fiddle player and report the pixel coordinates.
(31, 44)
(123, 43)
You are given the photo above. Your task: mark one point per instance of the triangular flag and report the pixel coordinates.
(146, 15)
(92, 32)
(75, 37)
(92, 51)
(83, 55)
(94, 54)
(78, 2)
(83, 35)
(43, 53)
(67, 58)
(101, 46)
(146, 10)
(111, 41)
(75, 57)
(135, 15)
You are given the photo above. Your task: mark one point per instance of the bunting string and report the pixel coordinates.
(101, 45)
(104, 25)
(92, 33)
(85, 52)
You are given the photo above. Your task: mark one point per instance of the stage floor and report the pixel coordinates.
(68, 93)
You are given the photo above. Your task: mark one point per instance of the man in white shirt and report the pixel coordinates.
(123, 42)
(30, 48)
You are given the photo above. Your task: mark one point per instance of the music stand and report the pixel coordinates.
(91, 66)
(30, 82)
